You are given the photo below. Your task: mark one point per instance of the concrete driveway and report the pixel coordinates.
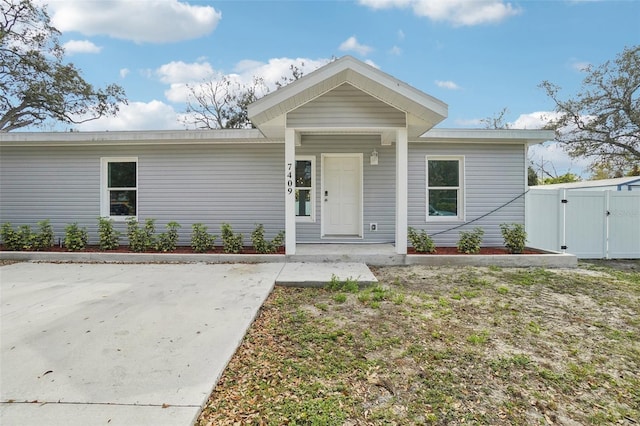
(120, 344)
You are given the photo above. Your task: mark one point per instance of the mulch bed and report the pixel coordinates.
(125, 249)
(483, 250)
(281, 250)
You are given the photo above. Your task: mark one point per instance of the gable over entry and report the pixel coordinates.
(347, 97)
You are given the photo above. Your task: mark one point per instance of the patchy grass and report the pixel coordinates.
(442, 346)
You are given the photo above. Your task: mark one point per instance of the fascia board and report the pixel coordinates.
(487, 135)
(132, 137)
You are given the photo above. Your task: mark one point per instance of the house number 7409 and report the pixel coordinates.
(289, 177)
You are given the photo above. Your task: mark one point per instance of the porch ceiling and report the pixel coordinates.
(423, 111)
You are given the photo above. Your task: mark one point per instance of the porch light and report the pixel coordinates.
(374, 158)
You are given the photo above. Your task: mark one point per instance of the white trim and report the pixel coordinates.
(137, 137)
(312, 217)
(290, 139)
(104, 186)
(486, 135)
(359, 156)
(461, 188)
(402, 190)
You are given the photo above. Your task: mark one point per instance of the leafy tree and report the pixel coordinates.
(222, 103)
(35, 82)
(602, 121)
(565, 178)
(532, 176)
(635, 170)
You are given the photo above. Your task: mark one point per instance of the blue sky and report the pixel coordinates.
(478, 56)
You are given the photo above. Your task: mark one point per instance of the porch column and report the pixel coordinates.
(402, 189)
(290, 190)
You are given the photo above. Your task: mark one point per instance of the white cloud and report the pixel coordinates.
(180, 72)
(352, 45)
(178, 75)
(580, 65)
(179, 92)
(275, 69)
(154, 115)
(400, 35)
(80, 46)
(472, 122)
(373, 64)
(533, 120)
(550, 155)
(124, 72)
(447, 85)
(396, 51)
(456, 12)
(140, 21)
(555, 161)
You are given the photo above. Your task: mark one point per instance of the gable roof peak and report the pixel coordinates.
(424, 111)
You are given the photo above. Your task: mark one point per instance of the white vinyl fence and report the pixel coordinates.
(589, 224)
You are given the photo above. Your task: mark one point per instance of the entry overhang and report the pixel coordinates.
(423, 111)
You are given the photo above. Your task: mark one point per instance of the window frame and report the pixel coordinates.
(460, 217)
(105, 204)
(312, 190)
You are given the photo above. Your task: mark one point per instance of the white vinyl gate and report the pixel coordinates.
(589, 224)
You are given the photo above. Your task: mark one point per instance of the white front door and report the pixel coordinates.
(342, 195)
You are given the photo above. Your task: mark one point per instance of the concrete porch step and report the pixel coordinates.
(312, 274)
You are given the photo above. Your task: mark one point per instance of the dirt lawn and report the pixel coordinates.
(443, 346)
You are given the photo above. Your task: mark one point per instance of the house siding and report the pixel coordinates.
(345, 106)
(494, 175)
(378, 185)
(239, 184)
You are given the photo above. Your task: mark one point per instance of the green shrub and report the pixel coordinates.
(263, 246)
(11, 238)
(26, 237)
(231, 243)
(140, 239)
(514, 237)
(421, 241)
(167, 241)
(470, 241)
(201, 240)
(75, 238)
(43, 239)
(109, 237)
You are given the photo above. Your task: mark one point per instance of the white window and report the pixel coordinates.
(305, 192)
(119, 187)
(445, 188)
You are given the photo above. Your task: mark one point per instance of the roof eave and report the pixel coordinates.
(141, 137)
(529, 137)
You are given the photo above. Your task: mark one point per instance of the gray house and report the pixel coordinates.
(346, 154)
